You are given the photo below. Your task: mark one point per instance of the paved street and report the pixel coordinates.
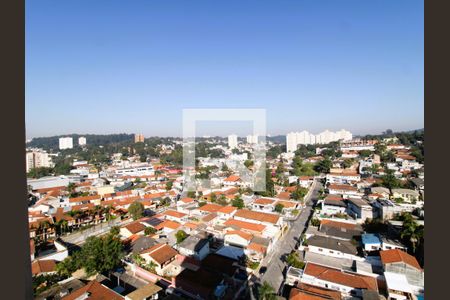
(275, 265)
(78, 238)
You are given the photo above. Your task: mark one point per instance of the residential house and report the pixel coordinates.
(232, 180)
(332, 247)
(194, 246)
(333, 204)
(95, 291)
(131, 229)
(43, 267)
(304, 291)
(343, 176)
(344, 282)
(360, 209)
(161, 256)
(406, 195)
(264, 204)
(400, 262)
(305, 181)
(340, 230)
(343, 189)
(174, 215)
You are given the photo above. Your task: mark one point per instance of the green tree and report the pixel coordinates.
(315, 222)
(180, 236)
(222, 200)
(248, 163)
(294, 260)
(279, 207)
(213, 197)
(323, 166)
(365, 153)
(169, 185)
(136, 210)
(299, 193)
(238, 202)
(266, 292)
(191, 194)
(389, 180)
(149, 230)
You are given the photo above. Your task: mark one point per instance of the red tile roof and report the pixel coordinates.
(232, 178)
(96, 291)
(264, 201)
(43, 266)
(210, 207)
(257, 216)
(227, 209)
(174, 213)
(340, 277)
(161, 253)
(395, 255)
(168, 224)
(85, 199)
(245, 225)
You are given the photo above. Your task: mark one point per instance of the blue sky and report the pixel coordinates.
(133, 66)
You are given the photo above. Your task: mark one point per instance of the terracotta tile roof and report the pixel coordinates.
(230, 191)
(306, 178)
(245, 225)
(227, 209)
(60, 215)
(264, 201)
(83, 206)
(242, 234)
(168, 224)
(209, 217)
(210, 207)
(290, 189)
(340, 277)
(191, 225)
(32, 247)
(56, 188)
(84, 199)
(340, 224)
(135, 227)
(310, 292)
(161, 253)
(96, 291)
(287, 204)
(343, 187)
(257, 248)
(257, 216)
(395, 255)
(43, 266)
(284, 195)
(174, 213)
(187, 200)
(333, 198)
(232, 178)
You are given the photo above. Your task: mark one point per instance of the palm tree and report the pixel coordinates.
(266, 291)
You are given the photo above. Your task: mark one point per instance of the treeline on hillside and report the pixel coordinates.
(52, 142)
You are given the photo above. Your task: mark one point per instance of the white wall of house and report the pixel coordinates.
(235, 240)
(329, 285)
(333, 253)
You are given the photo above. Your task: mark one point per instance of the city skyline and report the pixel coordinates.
(310, 65)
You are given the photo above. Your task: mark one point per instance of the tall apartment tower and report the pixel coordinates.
(252, 139)
(232, 141)
(37, 159)
(65, 143)
(81, 141)
(138, 138)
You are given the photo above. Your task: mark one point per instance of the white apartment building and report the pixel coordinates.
(293, 139)
(252, 139)
(232, 141)
(65, 143)
(81, 141)
(37, 159)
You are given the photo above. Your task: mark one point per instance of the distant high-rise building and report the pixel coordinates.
(65, 143)
(138, 138)
(293, 139)
(252, 139)
(81, 141)
(38, 159)
(232, 141)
